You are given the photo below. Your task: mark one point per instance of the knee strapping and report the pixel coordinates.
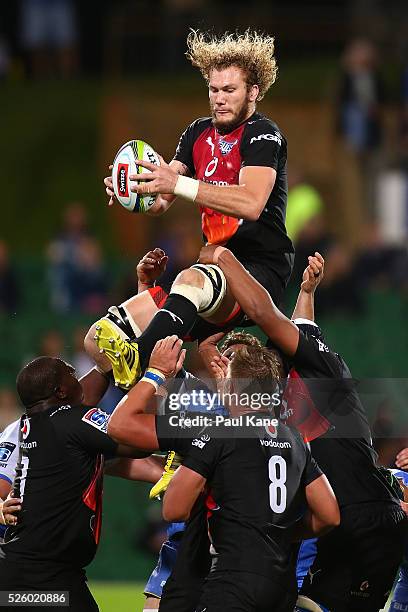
(123, 321)
(208, 298)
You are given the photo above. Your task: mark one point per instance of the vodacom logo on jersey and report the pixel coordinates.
(211, 167)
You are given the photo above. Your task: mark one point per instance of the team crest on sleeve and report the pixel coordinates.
(6, 450)
(97, 418)
(226, 147)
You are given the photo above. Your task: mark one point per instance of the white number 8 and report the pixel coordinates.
(277, 489)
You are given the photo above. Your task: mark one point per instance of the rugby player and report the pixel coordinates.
(238, 159)
(148, 432)
(62, 446)
(330, 415)
(400, 596)
(251, 541)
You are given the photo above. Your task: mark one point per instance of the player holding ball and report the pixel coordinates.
(233, 166)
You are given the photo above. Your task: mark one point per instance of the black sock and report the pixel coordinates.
(177, 316)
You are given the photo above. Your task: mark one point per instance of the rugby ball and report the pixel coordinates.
(124, 165)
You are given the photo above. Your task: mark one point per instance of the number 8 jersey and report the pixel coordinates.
(256, 495)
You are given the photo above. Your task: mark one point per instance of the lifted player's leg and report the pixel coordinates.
(200, 289)
(128, 321)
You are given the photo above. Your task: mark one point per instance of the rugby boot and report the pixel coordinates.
(123, 354)
(172, 463)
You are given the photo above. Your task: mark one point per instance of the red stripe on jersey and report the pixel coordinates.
(217, 160)
(298, 409)
(210, 504)
(92, 497)
(159, 295)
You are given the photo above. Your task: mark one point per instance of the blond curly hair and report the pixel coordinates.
(250, 51)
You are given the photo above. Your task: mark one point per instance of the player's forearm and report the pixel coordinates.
(94, 386)
(304, 308)
(138, 400)
(146, 470)
(311, 527)
(142, 287)
(207, 354)
(232, 200)
(250, 295)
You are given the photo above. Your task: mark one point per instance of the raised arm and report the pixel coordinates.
(94, 386)
(182, 493)
(323, 513)
(312, 277)
(254, 299)
(150, 268)
(128, 423)
(243, 201)
(149, 469)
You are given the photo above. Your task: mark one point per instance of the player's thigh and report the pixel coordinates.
(161, 573)
(328, 579)
(378, 550)
(246, 592)
(226, 310)
(265, 276)
(180, 594)
(141, 308)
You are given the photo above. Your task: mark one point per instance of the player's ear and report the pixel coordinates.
(253, 93)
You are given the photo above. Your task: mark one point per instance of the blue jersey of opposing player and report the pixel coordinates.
(400, 598)
(9, 441)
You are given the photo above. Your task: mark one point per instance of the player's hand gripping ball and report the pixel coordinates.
(124, 166)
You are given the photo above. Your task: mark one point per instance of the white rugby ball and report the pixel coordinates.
(124, 165)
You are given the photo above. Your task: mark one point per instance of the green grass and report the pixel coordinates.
(122, 596)
(118, 596)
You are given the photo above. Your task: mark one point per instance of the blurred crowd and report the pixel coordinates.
(67, 38)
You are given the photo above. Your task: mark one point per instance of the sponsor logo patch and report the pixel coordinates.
(122, 180)
(275, 137)
(322, 347)
(25, 430)
(198, 443)
(226, 147)
(97, 418)
(271, 430)
(6, 449)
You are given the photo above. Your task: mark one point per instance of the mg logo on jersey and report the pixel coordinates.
(226, 147)
(276, 137)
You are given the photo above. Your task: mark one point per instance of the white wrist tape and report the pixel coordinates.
(187, 188)
(104, 374)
